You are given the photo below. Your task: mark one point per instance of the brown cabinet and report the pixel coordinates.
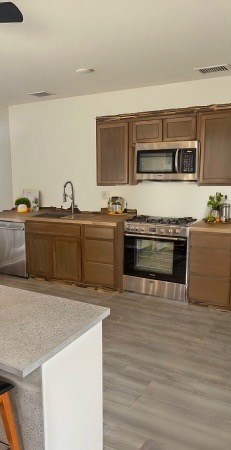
(147, 130)
(53, 250)
(99, 255)
(67, 258)
(210, 268)
(175, 128)
(84, 254)
(112, 153)
(215, 138)
(179, 128)
(103, 255)
(39, 249)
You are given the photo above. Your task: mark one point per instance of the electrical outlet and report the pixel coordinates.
(105, 195)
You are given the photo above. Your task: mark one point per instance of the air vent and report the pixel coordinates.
(42, 94)
(213, 69)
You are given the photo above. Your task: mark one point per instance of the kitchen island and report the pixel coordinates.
(51, 350)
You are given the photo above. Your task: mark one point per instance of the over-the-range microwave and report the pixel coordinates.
(167, 161)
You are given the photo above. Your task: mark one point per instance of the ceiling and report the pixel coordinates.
(129, 43)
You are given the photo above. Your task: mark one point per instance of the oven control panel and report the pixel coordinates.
(149, 229)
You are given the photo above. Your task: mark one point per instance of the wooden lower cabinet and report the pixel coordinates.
(53, 250)
(210, 269)
(99, 255)
(67, 258)
(39, 255)
(84, 254)
(103, 256)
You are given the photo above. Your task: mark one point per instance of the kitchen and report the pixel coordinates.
(45, 141)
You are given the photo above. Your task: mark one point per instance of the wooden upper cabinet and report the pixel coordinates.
(147, 130)
(215, 137)
(179, 128)
(112, 153)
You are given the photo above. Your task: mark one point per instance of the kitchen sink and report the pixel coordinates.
(53, 215)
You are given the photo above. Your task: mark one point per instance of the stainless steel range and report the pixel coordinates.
(155, 256)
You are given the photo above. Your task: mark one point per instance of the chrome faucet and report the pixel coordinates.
(72, 196)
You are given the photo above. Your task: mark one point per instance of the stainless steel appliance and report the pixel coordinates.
(12, 248)
(155, 255)
(224, 211)
(167, 161)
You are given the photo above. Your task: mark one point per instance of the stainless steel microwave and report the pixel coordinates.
(167, 161)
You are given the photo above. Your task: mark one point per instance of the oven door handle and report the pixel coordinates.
(176, 160)
(163, 238)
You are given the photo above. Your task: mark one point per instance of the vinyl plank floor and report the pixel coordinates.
(167, 368)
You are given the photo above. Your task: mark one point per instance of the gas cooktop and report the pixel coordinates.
(158, 226)
(183, 221)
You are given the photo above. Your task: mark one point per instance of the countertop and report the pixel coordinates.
(217, 227)
(91, 218)
(35, 327)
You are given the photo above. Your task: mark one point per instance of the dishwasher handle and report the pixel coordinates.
(12, 228)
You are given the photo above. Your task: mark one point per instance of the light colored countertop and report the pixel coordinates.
(35, 327)
(217, 227)
(90, 218)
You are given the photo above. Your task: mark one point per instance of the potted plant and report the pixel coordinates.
(213, 203)
(22, 204)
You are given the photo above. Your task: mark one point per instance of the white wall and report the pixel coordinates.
(6, 197)
(53, 141)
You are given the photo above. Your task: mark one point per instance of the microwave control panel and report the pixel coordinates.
(188, 160)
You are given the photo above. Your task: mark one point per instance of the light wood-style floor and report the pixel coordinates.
(167, 370)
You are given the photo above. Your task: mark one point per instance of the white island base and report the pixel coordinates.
(58, 404)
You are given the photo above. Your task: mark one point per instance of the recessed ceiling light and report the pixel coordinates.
(84, 70)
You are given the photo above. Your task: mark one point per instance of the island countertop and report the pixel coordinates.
(35, 327)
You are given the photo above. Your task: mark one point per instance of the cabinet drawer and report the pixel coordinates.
(212, 291)
(98, 273)
(98, 232)
(99, 251)
(62, 229)
(210, 240)
(209, 262)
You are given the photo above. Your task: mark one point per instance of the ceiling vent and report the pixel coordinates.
(41, 94)
(213, 69)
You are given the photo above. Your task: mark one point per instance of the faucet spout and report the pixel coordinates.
(72, 196)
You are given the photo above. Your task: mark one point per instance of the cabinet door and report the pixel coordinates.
(179, 128)
(67, 258)
(112, 153)
(215, 137)
(39, 255)
(208, 290)
(147, 130)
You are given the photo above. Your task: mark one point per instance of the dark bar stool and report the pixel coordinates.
(7, 415)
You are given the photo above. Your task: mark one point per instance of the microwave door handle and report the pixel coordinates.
(176, 160)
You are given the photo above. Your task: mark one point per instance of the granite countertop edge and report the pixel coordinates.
(36, 364)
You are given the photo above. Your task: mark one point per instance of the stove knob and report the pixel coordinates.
(162, 230)
(137, 229)
(177, 231)
(132, 229)
(142, 229)
(170, 231)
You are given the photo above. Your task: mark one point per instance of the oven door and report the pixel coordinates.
(156, 257)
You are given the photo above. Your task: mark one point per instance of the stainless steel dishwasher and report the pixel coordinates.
(12, 248)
